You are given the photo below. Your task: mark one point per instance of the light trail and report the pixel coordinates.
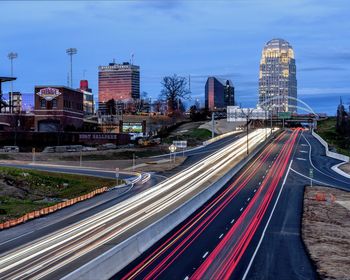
(200, 222)
(48, 254)
(221, 263)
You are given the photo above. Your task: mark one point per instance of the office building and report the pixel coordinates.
(120, 82)
(277, 77)
(219, 94)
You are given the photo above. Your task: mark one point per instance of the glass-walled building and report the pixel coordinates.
(277, 77)
(219, 94)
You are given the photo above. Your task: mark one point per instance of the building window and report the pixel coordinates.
(54, 103)
(43, 103)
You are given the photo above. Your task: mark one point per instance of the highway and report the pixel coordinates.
(56, 254)
(34, 229)
(251, 228)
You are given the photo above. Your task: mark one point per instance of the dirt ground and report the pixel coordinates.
(326, 231)
(345, 167)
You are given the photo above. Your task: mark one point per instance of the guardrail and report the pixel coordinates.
(50, 209)
(328, 152)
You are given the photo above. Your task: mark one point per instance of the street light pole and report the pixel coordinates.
(12, 56)
(71, 52)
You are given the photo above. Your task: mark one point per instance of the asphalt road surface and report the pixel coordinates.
(252, 228)
(60, 252)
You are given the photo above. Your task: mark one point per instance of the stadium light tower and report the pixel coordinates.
(12, 56)
(71, 52)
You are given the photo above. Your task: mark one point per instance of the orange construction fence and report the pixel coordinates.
(50, 209)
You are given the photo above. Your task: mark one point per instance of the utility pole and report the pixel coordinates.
(71, 52)
(12, 56)
(212, 124)
(247, 115)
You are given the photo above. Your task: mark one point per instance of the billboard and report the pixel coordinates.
(129, 127)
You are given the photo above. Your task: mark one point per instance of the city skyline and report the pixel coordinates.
(169, 38)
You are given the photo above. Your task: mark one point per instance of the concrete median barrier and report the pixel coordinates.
(115, 259)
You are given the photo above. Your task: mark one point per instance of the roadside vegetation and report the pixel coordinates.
(23, 191)
(327, 130)
(194, 137)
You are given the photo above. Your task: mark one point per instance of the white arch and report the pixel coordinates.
(283, 97)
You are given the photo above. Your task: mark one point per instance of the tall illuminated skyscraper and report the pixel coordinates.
(277, 76)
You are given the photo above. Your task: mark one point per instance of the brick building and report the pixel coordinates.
(58, 108)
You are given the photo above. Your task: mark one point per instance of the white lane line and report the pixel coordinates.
(303, 145)
(259, 183)
(316, 181)
(241, 209)
(267, 224)
(206, 254)
(254, 190)
(221, 235)
(248, 199)
(186, 278)
(263, 176)
(305, 152)
(232, 221)
(24, 234)
(299, 158)
(339, 180)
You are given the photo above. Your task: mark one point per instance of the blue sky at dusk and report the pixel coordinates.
(197, 38)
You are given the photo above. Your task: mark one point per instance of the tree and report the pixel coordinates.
(174, 89)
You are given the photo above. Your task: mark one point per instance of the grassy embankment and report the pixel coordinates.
(327, 130)
(23, 191)
(194, 137)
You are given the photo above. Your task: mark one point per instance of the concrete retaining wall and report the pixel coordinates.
(328, 152)
(212, 140)
(112, 261)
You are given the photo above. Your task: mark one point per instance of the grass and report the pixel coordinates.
(23, 191)
(194, 137)
(327, 130)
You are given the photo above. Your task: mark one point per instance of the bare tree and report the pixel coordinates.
(174, 89)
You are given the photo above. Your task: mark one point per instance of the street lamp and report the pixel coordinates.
(247, 115)
(71, 52)
(12, 56)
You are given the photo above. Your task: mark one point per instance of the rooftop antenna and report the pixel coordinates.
(132, 59)
(67, 79)
(189, 83)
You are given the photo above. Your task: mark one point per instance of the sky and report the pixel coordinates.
(196, 38)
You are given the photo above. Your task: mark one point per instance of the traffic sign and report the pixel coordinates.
(180, 144)
(311, 173)
(284, 115)
(172, 148)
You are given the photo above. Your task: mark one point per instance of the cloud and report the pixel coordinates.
(309, 92)
(321, 68)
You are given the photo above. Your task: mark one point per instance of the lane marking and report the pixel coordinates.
(248, 199)
(339, 180)
(259, 183)
(186, 278)
(206, 254)
(299, 158)
(317, 181)
(241, 209)
(24, 234)
(221, 235)
(267, 224)
(254, 190)
(305, 152)
(232, 221)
